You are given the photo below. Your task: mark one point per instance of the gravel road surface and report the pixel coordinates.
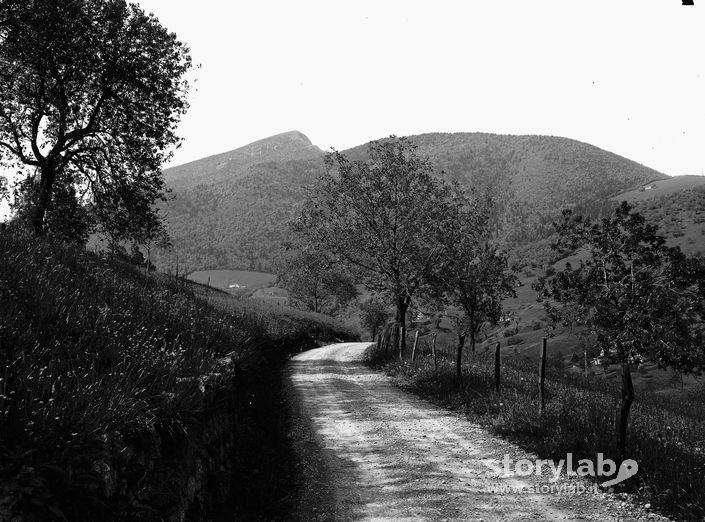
(371, 451)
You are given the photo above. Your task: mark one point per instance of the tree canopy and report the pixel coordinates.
(477, 280)
(386, 217)
(641, 299)
(373, 315)
(312, 277)
(91, 92)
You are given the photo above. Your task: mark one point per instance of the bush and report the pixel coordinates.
(515, 339)
(509, 332)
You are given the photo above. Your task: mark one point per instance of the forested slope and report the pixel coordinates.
(231, 210)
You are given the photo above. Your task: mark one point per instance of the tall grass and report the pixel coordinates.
(666, 438)
(98, 358)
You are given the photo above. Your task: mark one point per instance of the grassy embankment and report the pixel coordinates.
(665, 435)
(110, 378)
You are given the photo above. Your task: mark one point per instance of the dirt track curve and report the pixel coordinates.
(374, 452)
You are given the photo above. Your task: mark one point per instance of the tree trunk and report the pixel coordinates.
(461, 343)
(435, 359)
(497, 377)
(623, 414)
(46, 186)
(402, 306)
(472, 337)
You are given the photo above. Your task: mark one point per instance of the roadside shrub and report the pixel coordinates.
(509, 332)
(514, 339)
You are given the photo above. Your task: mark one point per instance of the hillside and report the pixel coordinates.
(238, 223)
(677, 205)
(234, 164)
(122, 392)
(531, 178)
(231, 209)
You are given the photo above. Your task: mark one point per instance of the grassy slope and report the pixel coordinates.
(660, 188)
(96, 356)
(236, 282)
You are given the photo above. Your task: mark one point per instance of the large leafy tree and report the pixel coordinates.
(386, 217)
(91, 92)
(477, 280)
(640, 299)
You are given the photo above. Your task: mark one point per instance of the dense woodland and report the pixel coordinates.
(235, 217)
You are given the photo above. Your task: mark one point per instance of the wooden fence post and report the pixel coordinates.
(402, 333)
(392, 341)
(542, 373)
(435, 360)
(496, 368)
(586, 363)
(413, 350)
(627, 400)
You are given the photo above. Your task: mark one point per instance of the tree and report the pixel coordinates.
(385, 217)
(641, 299)
(373, 315)
(91, 92)
(477, 280)
(317, 280)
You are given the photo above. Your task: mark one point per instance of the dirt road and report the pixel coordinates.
(374, 452)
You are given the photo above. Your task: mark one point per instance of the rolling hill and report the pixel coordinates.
(677, 205)
(231, 209)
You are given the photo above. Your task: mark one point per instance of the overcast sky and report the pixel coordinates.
(626, 75)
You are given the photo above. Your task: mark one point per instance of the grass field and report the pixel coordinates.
(236, 282)
(663, 187)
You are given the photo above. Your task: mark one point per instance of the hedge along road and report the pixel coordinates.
(368, 450)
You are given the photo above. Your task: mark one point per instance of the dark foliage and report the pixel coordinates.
(91, 92)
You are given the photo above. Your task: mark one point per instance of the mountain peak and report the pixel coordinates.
(293, 135)
(287, 146)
